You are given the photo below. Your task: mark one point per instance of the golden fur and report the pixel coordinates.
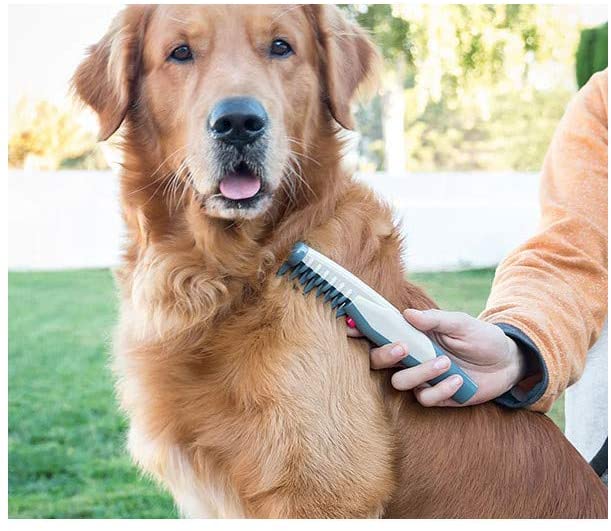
(246, 398)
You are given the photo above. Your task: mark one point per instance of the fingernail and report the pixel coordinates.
(442, 362)
(455, 381)
(397, 351)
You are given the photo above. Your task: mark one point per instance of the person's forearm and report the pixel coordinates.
(553, 289)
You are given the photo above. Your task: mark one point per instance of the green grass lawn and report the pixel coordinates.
(66, 437)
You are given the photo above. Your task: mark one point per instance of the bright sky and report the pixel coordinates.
(46, 44)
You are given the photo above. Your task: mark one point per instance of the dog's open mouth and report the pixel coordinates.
(243, 192)
(241, 184)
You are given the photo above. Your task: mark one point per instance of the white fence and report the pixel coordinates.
(71, 219)
(63, 220)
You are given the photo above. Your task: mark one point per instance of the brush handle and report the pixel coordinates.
(384, 327)
(374, 316)
(467, 389)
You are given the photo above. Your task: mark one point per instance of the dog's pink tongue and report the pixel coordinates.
(240, 186)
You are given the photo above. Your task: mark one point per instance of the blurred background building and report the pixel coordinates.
(453, 137)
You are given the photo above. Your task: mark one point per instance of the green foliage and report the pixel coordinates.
(515, 136)
(391, 33)
(592, 53)
(470, 81)
(66, 439)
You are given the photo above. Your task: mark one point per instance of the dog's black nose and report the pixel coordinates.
(238, 121)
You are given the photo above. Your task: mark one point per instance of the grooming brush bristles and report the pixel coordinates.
(298, 270)
(314, 283)
(310, 279)
(283, 269)
(331, 294)
(323, 288)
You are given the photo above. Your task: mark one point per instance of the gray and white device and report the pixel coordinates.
(375, 317)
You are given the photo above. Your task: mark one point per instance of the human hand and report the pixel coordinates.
(490, 358)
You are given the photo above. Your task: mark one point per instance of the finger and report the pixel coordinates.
(438, 320)
(451, 403)
(353, 332)
(387, 356)
(475, 399)
(420, 374)
(437, 394)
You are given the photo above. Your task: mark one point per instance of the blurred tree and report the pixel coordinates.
(45, 136)
(592, 53)
(459, 67)
(392, 34)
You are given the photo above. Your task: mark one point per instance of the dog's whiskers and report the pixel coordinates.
(162, 176)
(178, 186)
(186, 181)
(159, 187)
(301, 154)
(294, 167)
(302, 143)
(289, 186)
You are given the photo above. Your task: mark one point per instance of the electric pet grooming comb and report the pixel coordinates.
(374, 316)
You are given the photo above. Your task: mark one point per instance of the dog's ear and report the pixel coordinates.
(105, 79)
(348, 60)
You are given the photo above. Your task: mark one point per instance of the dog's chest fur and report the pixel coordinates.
(247, 413)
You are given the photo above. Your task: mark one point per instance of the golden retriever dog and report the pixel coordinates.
(245, 398)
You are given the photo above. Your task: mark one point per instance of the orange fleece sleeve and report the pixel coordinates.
(553, 288)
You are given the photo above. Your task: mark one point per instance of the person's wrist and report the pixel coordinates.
(517, 367)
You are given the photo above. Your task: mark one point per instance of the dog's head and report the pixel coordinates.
(231, 99)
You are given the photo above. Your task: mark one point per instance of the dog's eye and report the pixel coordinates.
(280, 48)
(181, 54)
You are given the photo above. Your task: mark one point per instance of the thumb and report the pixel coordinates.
(451, 323)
